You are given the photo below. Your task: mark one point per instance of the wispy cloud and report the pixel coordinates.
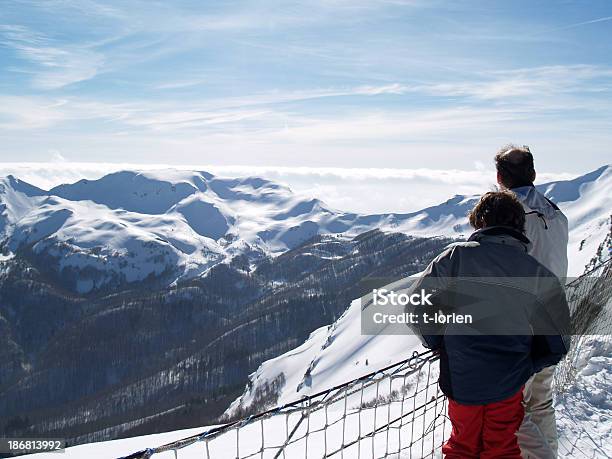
(519, 95)
(179, 84)
(290, 82)
(535, 81)
(90, 8)
(38, 111)
(55, 65)
(23, 113)
(578, 24)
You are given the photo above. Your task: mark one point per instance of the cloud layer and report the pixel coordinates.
(357, 190)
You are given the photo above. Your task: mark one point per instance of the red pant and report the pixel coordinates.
(485, 431)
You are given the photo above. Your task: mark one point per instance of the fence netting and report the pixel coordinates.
(590, 300)
(397, 411)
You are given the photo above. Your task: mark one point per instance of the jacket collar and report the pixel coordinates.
(535, 200)
(523, 190)
(501, 235)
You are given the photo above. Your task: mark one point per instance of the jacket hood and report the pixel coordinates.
(502, 234)
(535, 200)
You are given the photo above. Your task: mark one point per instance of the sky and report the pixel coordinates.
(307, 87)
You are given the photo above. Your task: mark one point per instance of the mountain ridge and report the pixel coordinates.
(129, 226)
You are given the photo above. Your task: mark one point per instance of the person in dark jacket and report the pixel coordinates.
(485, 364)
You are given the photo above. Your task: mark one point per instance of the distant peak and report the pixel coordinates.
(594, 175)
(206, 175)
(569, 190)
(22, 186)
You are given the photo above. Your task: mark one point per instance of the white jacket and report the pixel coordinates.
(547, 229)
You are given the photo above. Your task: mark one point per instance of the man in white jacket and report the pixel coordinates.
(547, 229)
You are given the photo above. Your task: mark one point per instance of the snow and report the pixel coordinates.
(130, 190)
(82, 234)
(589, 215)
(118, 448)
(584, 413)
(17, 200)
(331, 355)
(203, 217)
(134, 224)
(250, 441)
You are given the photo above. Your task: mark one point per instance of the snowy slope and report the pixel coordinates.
(584, 412)
(587, 202)
(332, 355)
(17, 198)
(120, 448)
(339, 352)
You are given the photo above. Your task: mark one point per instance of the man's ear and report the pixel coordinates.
(534, 176)
(499, 181)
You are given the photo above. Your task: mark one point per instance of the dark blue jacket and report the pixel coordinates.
(523, 325)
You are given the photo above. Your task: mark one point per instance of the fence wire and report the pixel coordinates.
(397, 411)
(590, 300)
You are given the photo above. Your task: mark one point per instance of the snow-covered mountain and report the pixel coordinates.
(168, 225)
(131, 226)
(587, 202)
(333, 353)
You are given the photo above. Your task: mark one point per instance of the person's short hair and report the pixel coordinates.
(514, 165)
(498, 208)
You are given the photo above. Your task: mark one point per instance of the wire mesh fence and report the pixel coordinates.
(590, 300)
(397, 411)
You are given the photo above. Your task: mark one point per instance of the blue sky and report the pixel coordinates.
(319, 83)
